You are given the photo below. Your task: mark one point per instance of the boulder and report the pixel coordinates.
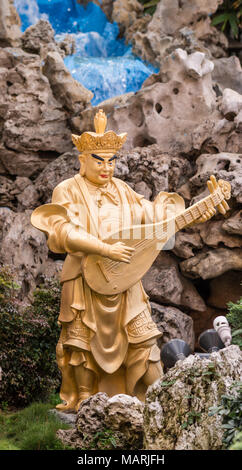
(183, 25)
(213, 263)
(165, 285)
(227, 73)
(107, 423)
(64, 167)
(10, 32)
(213, 234)
(224, 165)
(125, 13)
(168, 112)
(187, 242)
(23, 247)
(40, 39)
(233, 225)
(70, 93)
(37, 37)
(176, 413)
(231, 104)
(33, 121)
(173, 323)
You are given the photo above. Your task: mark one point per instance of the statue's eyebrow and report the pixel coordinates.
(97, 157)
(112, 158)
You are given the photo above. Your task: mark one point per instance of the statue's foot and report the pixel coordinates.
(67, 407)
(82, 397)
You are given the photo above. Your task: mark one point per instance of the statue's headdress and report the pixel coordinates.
(99, 141)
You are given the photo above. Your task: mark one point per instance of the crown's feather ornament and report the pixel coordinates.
(99, 141)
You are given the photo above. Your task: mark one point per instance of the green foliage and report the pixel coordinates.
(229, 17)
(104, 440)
(234, 318)
(7, 285)
(31, 429)
(27, 344)
(230, 410)
(149, 6)
(192, 418)
(237, 442)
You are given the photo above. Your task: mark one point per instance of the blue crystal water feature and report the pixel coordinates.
(102, 63)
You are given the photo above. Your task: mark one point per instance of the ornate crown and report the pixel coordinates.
(99, 141)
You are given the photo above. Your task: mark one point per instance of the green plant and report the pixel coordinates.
(192, 418)
(237, 442)
(32, 428)
(104, 439)
(27, 346)
(230, 410)
(150, 6)
(234, 318)
(229, 16)
(8, 286)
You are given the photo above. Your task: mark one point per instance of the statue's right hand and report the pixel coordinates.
(120, 252)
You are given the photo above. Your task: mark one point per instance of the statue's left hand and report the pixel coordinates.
(206, 216)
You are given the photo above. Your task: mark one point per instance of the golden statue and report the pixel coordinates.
(111, 236)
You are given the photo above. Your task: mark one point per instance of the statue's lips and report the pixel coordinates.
(104, 176)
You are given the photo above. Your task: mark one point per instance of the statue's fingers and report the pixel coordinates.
(214, 181)
(125, 259)
(210, 186)
(211, 212)
(221, 209)
(225, 205)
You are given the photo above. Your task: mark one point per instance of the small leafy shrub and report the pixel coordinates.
(234, 318)
(230, 410)
(229, 17)
(27, 344)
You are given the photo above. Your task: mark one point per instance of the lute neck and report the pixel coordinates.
(197, 210)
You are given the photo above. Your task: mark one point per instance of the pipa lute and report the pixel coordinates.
(109, 277)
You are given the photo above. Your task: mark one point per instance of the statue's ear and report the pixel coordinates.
(82, 159)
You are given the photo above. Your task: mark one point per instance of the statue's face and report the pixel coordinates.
(99, 168)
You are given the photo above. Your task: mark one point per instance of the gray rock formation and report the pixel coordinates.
(107, 423)
(39, 39)
(34, 126)
(10, 32)
(233, 225)
(179, 111)
(227, 73)
(35, 110)
(23, 247)
(70, 93)
(224, 165)
(212, 263)
(126, 13)
(173, 324)
(175, 25)
(165, 285)
(176, 414)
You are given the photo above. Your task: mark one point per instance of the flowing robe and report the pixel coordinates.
(112, 335)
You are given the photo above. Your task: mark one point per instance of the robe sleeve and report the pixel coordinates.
(164, 206)
(57, 221)
(168, 205)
